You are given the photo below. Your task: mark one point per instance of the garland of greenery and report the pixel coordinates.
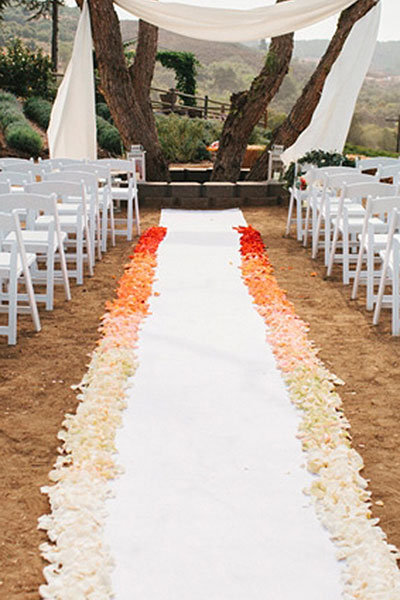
(319, 158)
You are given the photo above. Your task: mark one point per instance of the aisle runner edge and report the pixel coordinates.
(339, 492)
(80, 563)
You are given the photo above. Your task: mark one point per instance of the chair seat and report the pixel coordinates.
(121, 193)
(379, 241)
(35, 240)
(5, 262)
(68, 223)
(355, 224)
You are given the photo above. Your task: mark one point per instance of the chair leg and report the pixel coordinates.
(370, 278)
(289, 217)
(137, 216)
(32, 300)
(112, 222)
(12, 311)
(129, 220)
(50, 281)
(89, 249)
(104, 228)
(306, 225)
(346, 257)
(395, 302)
(333, 250)
(79, 257)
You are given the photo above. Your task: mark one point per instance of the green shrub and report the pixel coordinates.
(21, 136)
(103, 111)
(108, 137)
(38, 110)
(25, 72)
(354, 149)
(185, 140)
(18, 133)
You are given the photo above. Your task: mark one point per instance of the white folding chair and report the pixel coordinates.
(373, 239)
(72, 208)
(15, 266)
(315, 180)
(390, 274)
(128, 193)
(89, 180)
(298, 197)
(369, 164)
(48, 245)
(8, 162)
(106, 205)
(349, 226)
(325, 206)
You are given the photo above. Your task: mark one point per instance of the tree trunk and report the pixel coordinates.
(54, 35)
(125, 105)
(301, 114)
(248, 107)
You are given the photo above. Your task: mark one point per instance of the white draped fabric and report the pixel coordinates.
(332, 118)
(72, 129)
(228, 25)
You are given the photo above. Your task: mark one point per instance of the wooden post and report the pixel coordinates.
(205, 106)
(173, 99)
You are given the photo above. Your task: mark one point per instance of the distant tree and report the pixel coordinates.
(47, 8)
(301, 114)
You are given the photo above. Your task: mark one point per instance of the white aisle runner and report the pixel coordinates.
(211, 506)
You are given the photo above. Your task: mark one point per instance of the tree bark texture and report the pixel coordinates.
(121, 90)
(301, 114)
(54, 35)
(248, 107)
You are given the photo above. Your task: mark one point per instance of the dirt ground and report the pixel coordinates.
(36, 376)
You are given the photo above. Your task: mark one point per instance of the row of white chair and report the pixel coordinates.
(67, 211)
(353, 217)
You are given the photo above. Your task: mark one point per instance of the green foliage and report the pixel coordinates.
(108, 137)
(25, 72)
(362, 151)
(18, 133)
(103, 111)
(185, 66)
(319, 158)
(185, 140)
(38, 110)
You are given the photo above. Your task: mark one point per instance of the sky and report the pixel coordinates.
(389, 30)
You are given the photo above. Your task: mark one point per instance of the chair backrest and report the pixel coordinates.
(117, 164)
(365, 164)
(15, 178)
(318, 174)
(58, 163)
(4, 188)
(89, 179)
(369, 190)
(382, 205)
(9, 221)
(27, 167)
(390, 172)
(62, 189)
(6, 162)
(29, 202)
(337, 181)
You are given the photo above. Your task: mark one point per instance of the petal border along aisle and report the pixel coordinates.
(80, 564)
(340, 493)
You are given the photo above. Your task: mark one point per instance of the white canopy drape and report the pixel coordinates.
(233, 25)
(72, 130)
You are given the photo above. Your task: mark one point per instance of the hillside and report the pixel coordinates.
(227, 68)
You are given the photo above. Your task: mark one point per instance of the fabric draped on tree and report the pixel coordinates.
(72, 130)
